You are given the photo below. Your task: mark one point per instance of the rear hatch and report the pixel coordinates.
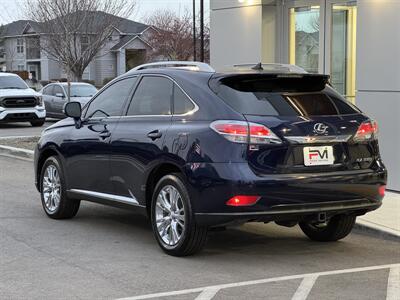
(319, 130)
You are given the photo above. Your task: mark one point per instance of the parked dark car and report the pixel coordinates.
(55, 95)
(196, 149)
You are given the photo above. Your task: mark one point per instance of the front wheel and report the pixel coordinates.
(38, 123)
(55, 202)
(172, 218)
(338, 227)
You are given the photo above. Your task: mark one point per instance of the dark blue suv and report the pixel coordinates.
(196, 149)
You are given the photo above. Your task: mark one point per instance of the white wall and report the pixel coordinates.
(236, 32)
(378, 76)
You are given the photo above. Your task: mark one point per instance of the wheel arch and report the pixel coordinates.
(155, 175)
(44, 155)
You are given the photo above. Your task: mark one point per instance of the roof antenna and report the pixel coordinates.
(258, 67)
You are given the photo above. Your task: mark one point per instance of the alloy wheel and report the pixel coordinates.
(51, 188)
(170, 215)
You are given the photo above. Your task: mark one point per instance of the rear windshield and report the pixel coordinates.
(266, 98)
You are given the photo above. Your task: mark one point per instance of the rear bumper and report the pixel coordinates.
(22, 114)
(282, 196)
(296, 212)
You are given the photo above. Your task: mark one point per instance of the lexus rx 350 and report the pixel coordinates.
(196, 149)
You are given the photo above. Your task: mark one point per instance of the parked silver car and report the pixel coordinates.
(55, 95)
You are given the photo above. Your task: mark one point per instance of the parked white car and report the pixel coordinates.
(55, 95)
(18, 102)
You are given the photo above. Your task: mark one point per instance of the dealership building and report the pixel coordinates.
(356, 42)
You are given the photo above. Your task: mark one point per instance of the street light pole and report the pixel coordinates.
(194, 31)
(202, 30)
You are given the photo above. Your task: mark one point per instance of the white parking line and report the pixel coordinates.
(207, 294)
(393, 285)
(304, 288)
(267, 280)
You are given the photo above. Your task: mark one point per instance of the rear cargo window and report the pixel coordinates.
(257, 99)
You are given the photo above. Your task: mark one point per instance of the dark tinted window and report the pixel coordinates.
(256, 99)
(182, 104)
(152, 97)
(111, 101)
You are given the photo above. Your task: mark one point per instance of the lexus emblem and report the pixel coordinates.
(320, 128)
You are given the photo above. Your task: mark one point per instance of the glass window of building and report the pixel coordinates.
(343, 48)
(304, 27)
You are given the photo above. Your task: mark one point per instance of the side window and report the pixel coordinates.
(57, 90)
(111, 101)
(182, 104)
(48, 90)
(152, 97)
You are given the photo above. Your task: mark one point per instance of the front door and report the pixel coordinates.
(138, 145)
(88, 149)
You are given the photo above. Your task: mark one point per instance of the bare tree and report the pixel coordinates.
(173, 39)
(73, 31)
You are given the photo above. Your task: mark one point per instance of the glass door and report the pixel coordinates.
(304, 37)
(343, 47)
(305, 27)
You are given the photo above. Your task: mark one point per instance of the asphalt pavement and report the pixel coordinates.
(22, 129)
(108, 253)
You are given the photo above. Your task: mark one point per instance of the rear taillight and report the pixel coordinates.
(382, 190)
(245, 132)
(242, 200)
(366, 131)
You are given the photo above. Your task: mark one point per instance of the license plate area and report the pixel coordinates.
(318, 156)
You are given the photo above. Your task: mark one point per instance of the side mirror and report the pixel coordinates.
(60, 95)
(73, 110)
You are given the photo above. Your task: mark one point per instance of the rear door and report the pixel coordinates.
(315, 124)
(138, 144)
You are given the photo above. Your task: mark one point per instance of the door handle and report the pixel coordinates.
(154, 135)
(104, 134)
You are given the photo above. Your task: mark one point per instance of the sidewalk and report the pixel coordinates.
(385, 219)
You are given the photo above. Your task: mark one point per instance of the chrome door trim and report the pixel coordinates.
(126, 200)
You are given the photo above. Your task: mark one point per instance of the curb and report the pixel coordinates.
(377, 230)
(18, 152)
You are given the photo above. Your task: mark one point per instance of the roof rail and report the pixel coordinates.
(186, 65)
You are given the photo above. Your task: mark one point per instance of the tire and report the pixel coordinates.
(37, 123)
(60, 207)
(192, 237)
(338, 227)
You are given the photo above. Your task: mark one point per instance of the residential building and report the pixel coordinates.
(125, 48)
(356, 42)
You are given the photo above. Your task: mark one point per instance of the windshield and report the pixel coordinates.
(82, 90)
(12, 82)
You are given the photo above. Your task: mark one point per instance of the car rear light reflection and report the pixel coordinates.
(245, 132)
(366, 131)
(242, 200)
(382, 190)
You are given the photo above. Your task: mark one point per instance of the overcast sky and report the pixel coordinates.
(12, 10)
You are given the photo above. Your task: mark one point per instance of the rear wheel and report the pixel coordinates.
(172, 218)
(55, 202)
(335, 229)
(37, 123)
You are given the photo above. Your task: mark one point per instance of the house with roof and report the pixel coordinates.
(125, 48)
